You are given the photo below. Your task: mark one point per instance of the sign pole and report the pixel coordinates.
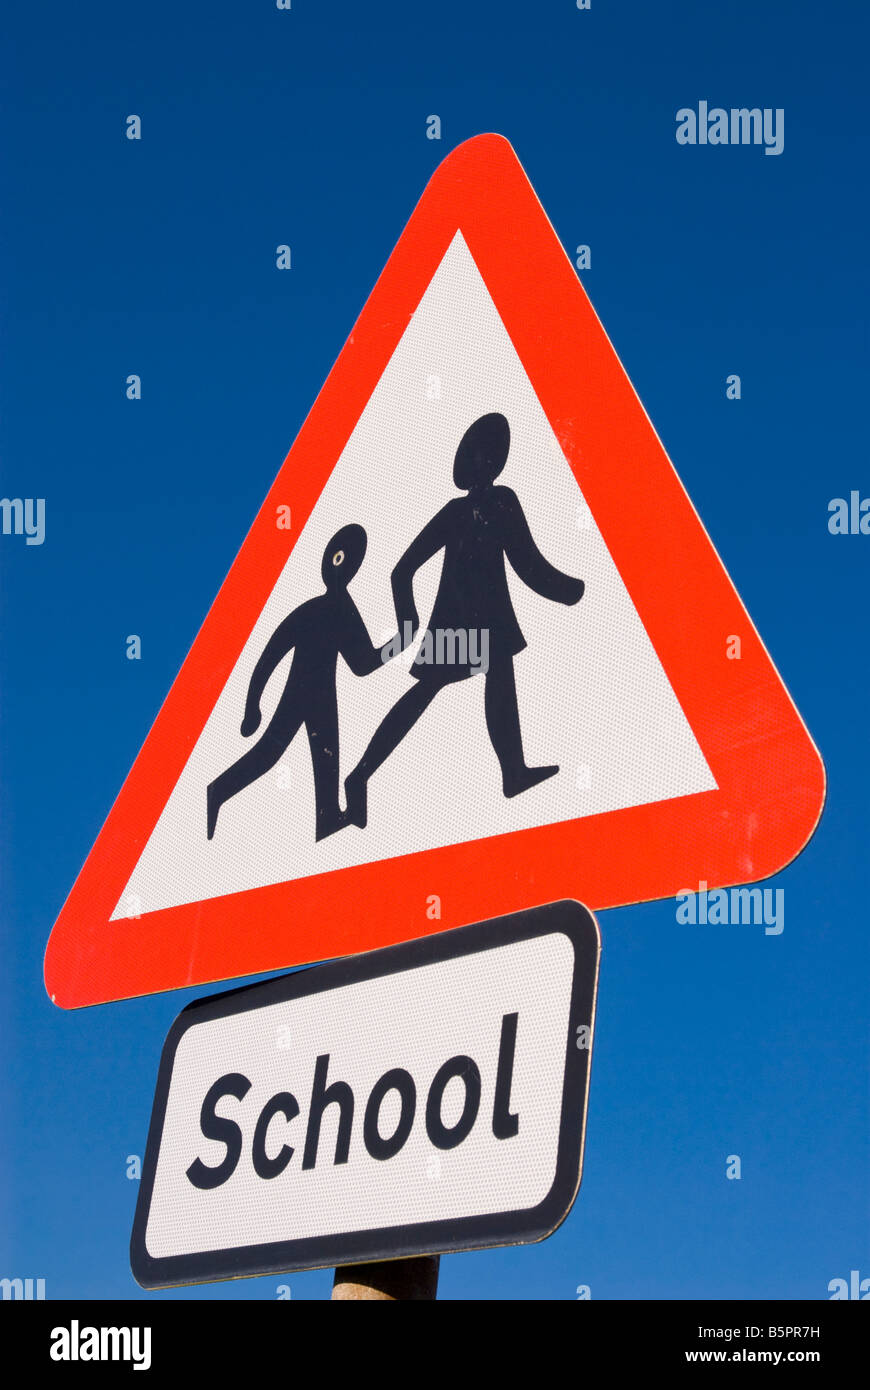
(388, 1280)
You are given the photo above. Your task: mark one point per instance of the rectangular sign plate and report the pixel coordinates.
(424, 1098)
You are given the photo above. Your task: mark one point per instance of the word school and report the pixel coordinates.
(505, 1125)
(740, 126)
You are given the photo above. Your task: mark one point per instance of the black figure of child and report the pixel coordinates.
(477, 533)
(317, 632)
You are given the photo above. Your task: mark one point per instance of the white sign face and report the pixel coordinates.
(591, 690)
(423, 1098)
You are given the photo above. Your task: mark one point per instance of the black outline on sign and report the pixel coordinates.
(391, 1242)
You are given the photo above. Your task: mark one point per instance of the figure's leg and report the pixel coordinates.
(323, 742)
(503, 724)
(393, 727)
(265, 753)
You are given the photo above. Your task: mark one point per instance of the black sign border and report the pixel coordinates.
(517, 1227)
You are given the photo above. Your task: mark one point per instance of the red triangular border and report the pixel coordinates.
(769, 774)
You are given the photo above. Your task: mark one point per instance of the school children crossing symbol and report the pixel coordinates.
(477, 650)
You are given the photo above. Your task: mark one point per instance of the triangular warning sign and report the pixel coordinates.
(477, 651)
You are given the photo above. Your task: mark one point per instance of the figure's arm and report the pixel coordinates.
(282, 641)
(527, 561)
(358, 650)
(430, 540)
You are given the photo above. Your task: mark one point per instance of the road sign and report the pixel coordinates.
(424, 1098)
(515, 651)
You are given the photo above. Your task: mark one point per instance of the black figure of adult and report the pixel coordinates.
(477, 533)
(317, 632)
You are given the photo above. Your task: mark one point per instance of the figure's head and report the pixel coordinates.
(482, 452)
(343, 556)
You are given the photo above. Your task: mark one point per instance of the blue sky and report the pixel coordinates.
(308, 127)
